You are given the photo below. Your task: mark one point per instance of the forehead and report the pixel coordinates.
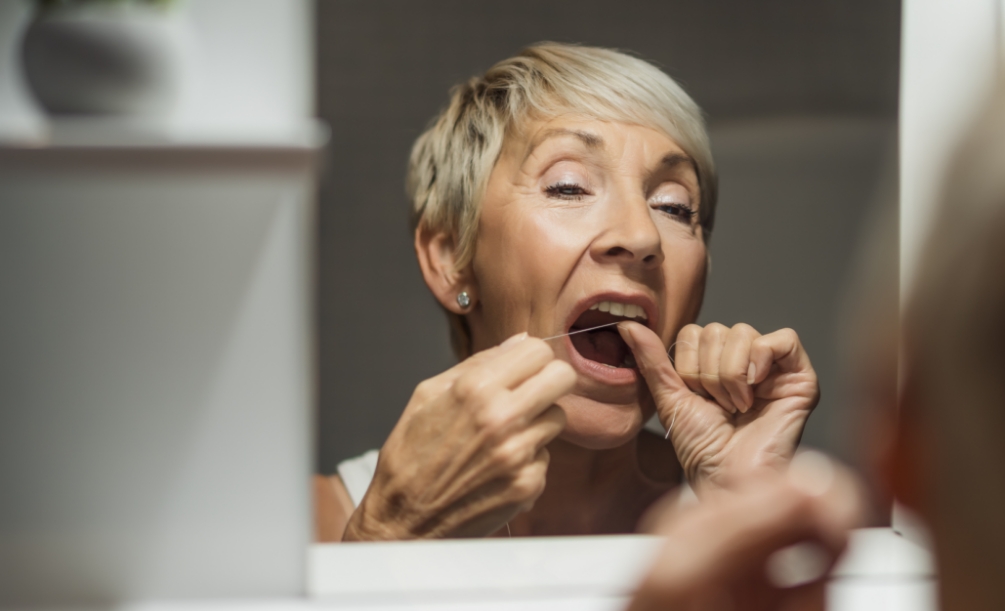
(581, 131)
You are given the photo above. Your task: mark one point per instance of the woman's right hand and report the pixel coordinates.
(469, 451)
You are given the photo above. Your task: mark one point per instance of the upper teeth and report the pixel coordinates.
(628, 310)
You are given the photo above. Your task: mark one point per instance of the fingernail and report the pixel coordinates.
(519, 337)
(751, 374)
(811, 472)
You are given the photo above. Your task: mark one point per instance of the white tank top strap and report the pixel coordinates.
(357, 473)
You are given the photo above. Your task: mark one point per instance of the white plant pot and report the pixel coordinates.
(102, 60)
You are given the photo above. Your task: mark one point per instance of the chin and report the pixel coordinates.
(600, 426)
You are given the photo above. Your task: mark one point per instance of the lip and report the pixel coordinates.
(611, 376)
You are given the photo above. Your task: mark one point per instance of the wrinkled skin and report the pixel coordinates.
(577, 209)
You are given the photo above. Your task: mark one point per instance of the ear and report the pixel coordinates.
(436, 251)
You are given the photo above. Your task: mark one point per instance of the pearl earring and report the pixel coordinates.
(463, 299)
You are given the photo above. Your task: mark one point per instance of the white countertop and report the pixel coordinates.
(880, 571)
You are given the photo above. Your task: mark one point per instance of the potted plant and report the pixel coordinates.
(101, 57)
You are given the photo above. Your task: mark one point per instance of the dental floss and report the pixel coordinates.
(610, 324)
(672, 362)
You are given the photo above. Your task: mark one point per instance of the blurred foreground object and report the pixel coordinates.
(947, 461)
(156, 369)
(102, 57)
(764, 543)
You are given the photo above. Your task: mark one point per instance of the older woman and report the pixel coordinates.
(563, 204)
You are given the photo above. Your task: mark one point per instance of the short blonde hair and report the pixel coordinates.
(452, 160)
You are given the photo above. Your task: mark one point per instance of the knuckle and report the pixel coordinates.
(712, 335)
(742, 327)
(715, 330)
(558, 414)
(734, 376)
(492, 423)
(789, 335)
(529, 487)
(507, 458)
(689, 331)
(425, 390)
(469, 388)
(544, 456)
(562, 371)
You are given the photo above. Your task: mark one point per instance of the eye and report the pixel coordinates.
(566, 190)
(674, 200)
(681, 212)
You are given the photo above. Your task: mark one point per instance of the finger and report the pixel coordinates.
(666, 387)
(506, 368)
(545, 428)
(781, 348)
(729, 538)
(528, 484)
(524, 447)
(734, 365)
(838, 493)
(734, 533)
(686, 357)
(539, 393)
(444, 380)
(713, 336)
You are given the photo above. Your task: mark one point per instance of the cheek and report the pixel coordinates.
(684, 273)
(524, 257)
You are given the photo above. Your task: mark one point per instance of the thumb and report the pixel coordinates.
(666, 387)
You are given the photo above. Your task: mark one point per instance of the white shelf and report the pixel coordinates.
(89, 133)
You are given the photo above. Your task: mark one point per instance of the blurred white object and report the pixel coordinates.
(883, 571)
(882, 553)
(20, 119)
(156, 370)
(103, 59)
(950, 53)
(244, 67)
(880, 571)
(481, 569)
(797, 565)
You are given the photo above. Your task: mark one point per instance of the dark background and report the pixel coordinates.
(801, 99)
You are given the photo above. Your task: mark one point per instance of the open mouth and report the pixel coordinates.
(604, 345)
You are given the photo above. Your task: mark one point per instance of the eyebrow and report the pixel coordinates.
(592, 141)
(672, 160)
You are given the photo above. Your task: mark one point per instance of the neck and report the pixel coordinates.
(590, 492)
(574, 467)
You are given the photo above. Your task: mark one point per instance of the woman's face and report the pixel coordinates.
(586, 222)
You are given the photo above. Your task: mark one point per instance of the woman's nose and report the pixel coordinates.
(632, 237)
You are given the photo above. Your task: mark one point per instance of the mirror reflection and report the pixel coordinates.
(563, 216)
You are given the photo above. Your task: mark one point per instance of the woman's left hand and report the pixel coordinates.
(736, 400)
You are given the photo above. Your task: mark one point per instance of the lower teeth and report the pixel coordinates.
(628, 363)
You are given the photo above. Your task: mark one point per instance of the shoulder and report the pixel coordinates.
(337, 496)
(332, 508)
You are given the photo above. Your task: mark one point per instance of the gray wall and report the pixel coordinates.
(801, 99)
